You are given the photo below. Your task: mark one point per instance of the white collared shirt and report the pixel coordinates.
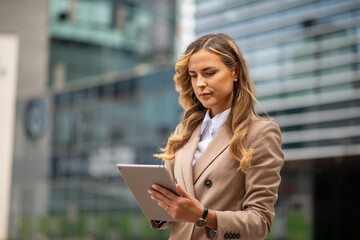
(209, 128)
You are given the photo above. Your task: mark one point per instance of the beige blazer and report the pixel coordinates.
(244, 203)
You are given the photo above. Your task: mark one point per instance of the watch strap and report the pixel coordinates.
(205, 213)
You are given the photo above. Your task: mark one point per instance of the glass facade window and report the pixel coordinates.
(110, 78)
(92, 37)
(303, 58)
(104, 125)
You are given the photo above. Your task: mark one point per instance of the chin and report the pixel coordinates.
(206, 106)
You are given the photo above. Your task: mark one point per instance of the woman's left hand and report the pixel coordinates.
(184, 207)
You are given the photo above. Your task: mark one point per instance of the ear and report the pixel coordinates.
(236, 72)
(234, 75)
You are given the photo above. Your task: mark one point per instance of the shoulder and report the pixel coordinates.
(261, 124)
(260, 128)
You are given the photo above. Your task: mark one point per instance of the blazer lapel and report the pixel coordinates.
(185, 155)
(220, 142)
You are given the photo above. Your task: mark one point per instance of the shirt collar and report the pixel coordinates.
(216, 122)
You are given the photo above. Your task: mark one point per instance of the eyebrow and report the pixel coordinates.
(207, 68)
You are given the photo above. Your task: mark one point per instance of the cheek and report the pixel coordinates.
(227, 88)
(193, 85)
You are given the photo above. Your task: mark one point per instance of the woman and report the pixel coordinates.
(225, 159)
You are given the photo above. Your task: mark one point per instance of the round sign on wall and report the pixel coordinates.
(36, 118)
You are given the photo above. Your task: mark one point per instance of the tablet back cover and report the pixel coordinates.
(139, 179)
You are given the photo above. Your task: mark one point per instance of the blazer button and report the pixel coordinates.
(208, 183)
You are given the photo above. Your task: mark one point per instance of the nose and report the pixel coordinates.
(200, 82)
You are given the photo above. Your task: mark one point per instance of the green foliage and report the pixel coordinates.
(125, 225)
(63, 225)
(148, 232)
(25, 228)
(43, 225)
(80, 225)
(298, 226)
(100, 226)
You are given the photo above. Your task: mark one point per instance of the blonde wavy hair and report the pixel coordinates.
(242, 109)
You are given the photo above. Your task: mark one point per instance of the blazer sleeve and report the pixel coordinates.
(262, 180)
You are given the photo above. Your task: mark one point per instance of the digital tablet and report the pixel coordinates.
(139, 179)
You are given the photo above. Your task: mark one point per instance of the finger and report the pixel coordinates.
(170, 195)
(181, 191)
(159, 202)
(163, 205)
(159, 197)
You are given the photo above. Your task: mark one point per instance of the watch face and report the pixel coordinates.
(200, 223)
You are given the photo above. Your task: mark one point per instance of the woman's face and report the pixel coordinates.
(211, 80)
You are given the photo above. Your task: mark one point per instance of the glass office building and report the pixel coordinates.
(110, 100)
(94, 128)
(304, 60)
(90, 38)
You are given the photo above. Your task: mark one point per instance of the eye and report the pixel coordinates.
(193, 76)
(209, 74)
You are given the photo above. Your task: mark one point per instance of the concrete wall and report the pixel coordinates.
(27, 168)
(8, 81)
(28, 19)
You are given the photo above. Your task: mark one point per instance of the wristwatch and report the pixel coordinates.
(202, 221)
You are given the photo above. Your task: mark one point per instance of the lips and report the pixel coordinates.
(204, 94)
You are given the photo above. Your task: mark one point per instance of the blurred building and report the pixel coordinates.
(95, 75)
(27, 21)
(304, 59)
